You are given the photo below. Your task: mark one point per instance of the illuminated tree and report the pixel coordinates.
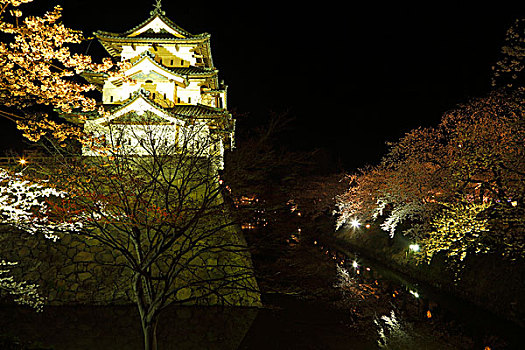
(469, 171)
(24, 293)
(458, 187)
(37, 68)
(162, 211)
(315, 195)
(17, 200)
(509, 70)
(457, 229)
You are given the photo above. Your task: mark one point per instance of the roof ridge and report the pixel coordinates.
(158, 8)
(162, 15)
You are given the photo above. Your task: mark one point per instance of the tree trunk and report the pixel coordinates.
(148, 319)
(149, 330)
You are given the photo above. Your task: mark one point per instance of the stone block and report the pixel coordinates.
(69, 269)
(104, 257)
(183, 293)
(84, 257)
(24, 252)
(84, 276)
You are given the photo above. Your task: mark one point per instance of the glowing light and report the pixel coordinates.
(355, 265)
(429, 314)
(414, 293)
(367, 226)
(22, 161)
(414, 247)
(355, 223)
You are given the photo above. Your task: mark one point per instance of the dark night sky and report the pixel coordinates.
(353, 78)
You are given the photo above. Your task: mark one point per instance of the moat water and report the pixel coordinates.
(406, 316)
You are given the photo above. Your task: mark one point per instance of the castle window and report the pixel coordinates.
(189, 99)
(182, 62)
(178, 99)
(164, 95)
(149, 81)
(153, 96)
(171, 63)
(111, 99)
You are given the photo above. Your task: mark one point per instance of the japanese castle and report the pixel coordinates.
(170, 85)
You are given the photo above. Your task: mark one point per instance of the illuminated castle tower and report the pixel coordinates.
(172, 84)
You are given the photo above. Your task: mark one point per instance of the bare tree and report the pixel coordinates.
(151, 192)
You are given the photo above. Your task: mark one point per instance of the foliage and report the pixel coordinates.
(20, 198)
(23, 292)
(469, 171)
(37, 68)
(509, 70)
(264, 168)
(162, 211)
(457, 229)
(314, 195)
(458, 187)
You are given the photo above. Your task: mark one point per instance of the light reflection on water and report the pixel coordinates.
(408, 320)
(418, 313)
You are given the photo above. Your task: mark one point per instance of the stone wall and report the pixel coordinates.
(75, 270)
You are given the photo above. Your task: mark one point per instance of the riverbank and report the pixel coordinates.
(485, 280)
(316, 299)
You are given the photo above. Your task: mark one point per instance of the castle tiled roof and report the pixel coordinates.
(181, 71)
(198, 111)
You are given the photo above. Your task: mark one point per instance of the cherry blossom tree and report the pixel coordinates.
(38, 69)
(457, 187)
(162, 211)
(510, 68)
(19, 198)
